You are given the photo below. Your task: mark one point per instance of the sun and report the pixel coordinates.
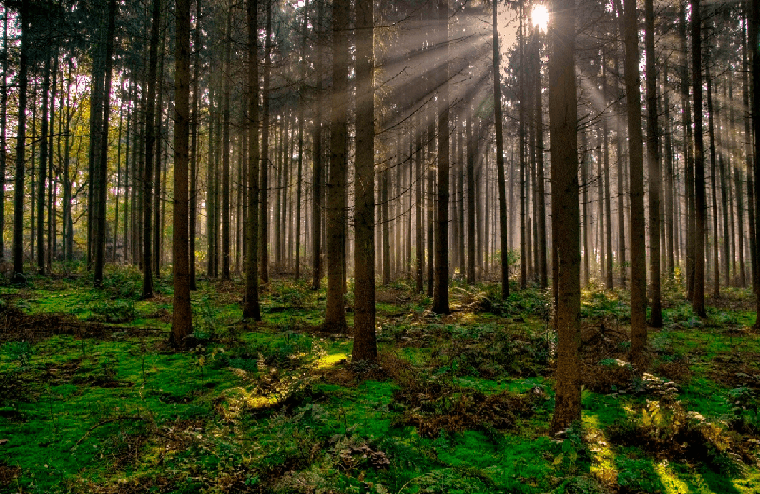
(540, 16)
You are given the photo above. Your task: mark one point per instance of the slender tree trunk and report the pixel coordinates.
(441, 281)
(636, 157)
(197, 46)
(698, 301)
(653, 165)
(470, 198)
(543, 272)
(251, 308)
(335, 314)
(150, 141)
(102, 165)
(43, 169)
(182, 313)
(3, 128)
(563, 122)
(18, 186)
(158, 231)
(419, 246)
(365, 345)
(669, 186)
(755, 98)
(713, 180)
(300, 139)
(317, 159)
(226, 198)
(523, 164)
(264, 182)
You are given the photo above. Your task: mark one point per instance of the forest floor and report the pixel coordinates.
(92, 399)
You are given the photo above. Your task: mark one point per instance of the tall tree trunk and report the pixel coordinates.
(43, 169)
(3, 128)
(441, 281)
(698, 302)
(419, 246)
(158, 166)
(563, 123)
(182, 313)
(263, 181)
(18, 186)
(150, 141)
(607, 187)
(301, 105)
(197, 47)
(543, 272)
(500, 176)
(754, 21)
(365, 345)
(470, 198)
(318, 173)
(713, 180)
(636, 157)
(688, 154)
(102, 165)
(669, 185)
(226, 198)
(653, 165)
(523, 164)
(251, 308)
(335, 314)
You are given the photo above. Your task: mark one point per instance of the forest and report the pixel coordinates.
(374, 246)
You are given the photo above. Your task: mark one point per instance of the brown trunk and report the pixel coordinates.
(365, 345)
(636, 173)
(698, 301)
(563, 124)
(335, 314)
(251, 308)
(653, 165)
(182, 313)
(500, 176)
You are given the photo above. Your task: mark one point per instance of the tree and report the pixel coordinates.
(182, 313)
(636, 170)
(335, 314)
(500, 180)
(653, 162)
(150, 140)
(698, 301)
(18, 186)
(441, 281)
(3, 127)
(754, 22)
(563, 123)
(365, 345)
(251, 308)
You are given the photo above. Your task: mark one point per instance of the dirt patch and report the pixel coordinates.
(456, 411)
(16, 325)
(736, 371)
(8, 473)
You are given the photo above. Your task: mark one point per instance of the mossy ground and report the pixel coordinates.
(95, 400)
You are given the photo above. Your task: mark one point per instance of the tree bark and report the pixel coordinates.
(441, 281)
(636, 170)
(500, 175)
(563, 122)
(102, 165)
(698, 301)
(150, 141)
(653, 165)
(365, 345)
(251, 309)
(335, 314)
(182, 313)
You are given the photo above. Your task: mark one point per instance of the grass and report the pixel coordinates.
(457, 404)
